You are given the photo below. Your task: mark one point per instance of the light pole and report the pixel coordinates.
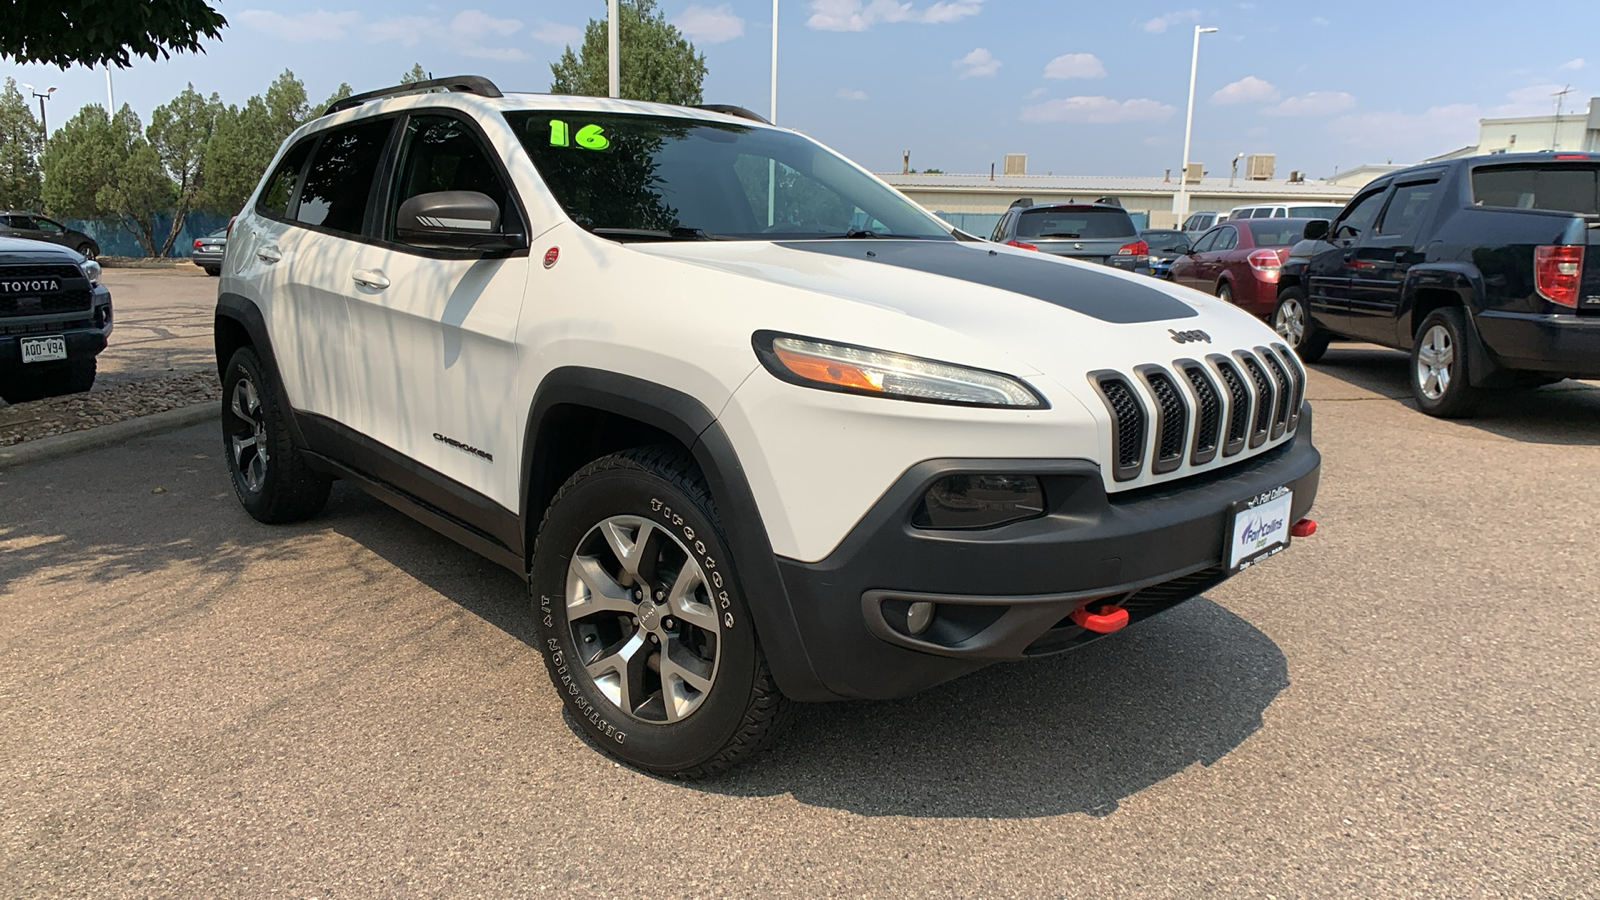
(613, 46)
(44, 126)
(1181, 204)
(773, 111)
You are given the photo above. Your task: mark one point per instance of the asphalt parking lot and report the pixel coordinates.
(192, 704)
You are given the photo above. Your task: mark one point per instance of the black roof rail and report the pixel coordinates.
(458, 84)
(729, 109)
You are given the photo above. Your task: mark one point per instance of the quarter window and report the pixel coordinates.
(340, 178)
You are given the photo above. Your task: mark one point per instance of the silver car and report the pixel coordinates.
(208, 250)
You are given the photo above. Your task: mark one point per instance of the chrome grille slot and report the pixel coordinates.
(1127, 422)
(1261, 424)
(1284, 387)
(1208, 412)
(1238, 405)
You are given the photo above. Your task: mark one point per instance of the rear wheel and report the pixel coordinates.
(87, 250)
(1225, 292)
(213, 271)
(270, 475)
(1439, 367)
(1293, 323)
(644, 631)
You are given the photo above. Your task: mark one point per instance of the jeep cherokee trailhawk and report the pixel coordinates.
(755, 427)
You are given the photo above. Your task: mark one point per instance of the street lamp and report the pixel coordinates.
(1181, 204)
(772, 112)
(44, 127)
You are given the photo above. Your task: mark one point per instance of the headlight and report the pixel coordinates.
(91, 271)
(858, 370)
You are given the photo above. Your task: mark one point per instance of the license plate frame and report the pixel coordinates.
(48, 348)
(1257, 528)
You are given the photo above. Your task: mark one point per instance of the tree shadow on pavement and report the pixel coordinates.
(1564, 413)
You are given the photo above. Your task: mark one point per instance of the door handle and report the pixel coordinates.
(269, 255)
(370, 278)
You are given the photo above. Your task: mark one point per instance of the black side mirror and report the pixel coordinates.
(1316, 230)
(454, 220)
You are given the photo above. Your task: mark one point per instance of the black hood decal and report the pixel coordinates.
(1102, 296)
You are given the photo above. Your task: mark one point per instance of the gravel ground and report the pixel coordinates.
(59, 415)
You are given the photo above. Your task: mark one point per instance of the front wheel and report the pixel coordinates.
(1293, 323)
(270, 475)
(1439, 373)
(644, 630)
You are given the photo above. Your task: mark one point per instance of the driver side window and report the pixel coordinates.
(1206, 242)
(440, 153)
(48, 227)
(1358, 217)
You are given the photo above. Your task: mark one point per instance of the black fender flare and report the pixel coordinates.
(694, 426)
(1466, 282)
(244, 312)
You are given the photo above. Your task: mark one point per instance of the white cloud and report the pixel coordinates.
(850, 94)
(1166, 20)
(1075, 65)
(315, 25)
(1319, 21)
(1096, 110)
(1036, 93)
(464, 34)
(710, 25)
(549, 32)
(1315, 103)
(980, 63)
(859, 15)
(1403, 135)
(1572, 65)
(1248, 89)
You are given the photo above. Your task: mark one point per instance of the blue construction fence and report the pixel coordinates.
(114, 240)
(982, 224)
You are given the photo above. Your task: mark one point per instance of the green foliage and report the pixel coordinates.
(657, 64)
(414, 75)
(180, 134)
(20, 141)
(100, 168)
(96, 32)
(247, 137)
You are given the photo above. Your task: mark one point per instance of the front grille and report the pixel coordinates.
(64, 301)
(1208, 412)
(1262, 426)
(48, 271)
(1238, 406)
(1280, 377)
(1172, 419)
(1127, 424)
(46, 327)
(1298, 375)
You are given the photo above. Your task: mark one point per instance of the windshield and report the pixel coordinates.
(1314, 212)
(1078, 222)
(1166, 241)
(1560, 186)
(633, 177)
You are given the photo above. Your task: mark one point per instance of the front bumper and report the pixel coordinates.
(1562, 344)
(1006, 593)
(87, 333)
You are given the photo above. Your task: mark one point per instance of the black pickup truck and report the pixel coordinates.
(1487, 269)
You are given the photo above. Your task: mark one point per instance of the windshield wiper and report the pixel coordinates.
(679, 233)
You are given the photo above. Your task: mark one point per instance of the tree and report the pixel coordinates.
(97, 32)
(414, 74)
(180, 133)
(246, 138)
(97, 168)
(657, 63)
(20, 142)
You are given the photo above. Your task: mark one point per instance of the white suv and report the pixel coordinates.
(701, 380)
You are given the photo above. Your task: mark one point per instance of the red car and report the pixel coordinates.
(1239, 261)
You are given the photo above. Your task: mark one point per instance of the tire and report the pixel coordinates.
(277, 485)
(1440, 379)
(1225, 293)
(57, 380)
(87, 250)
(720, 705)
(213, 271)
(1292, 321)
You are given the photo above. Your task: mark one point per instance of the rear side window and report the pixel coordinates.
(275, 197)
(1087, 223)
(1227, 238)
(1406, 207)
(1561, 187)
(1273, 233)
(340, 178)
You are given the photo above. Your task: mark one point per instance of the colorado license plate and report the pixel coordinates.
(1259, 527)
(44, 349)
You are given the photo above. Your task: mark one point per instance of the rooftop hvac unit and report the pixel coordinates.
(1259, 166)
(1016, 164)
(1193, 173)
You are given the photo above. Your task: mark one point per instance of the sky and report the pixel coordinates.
(1082, 88)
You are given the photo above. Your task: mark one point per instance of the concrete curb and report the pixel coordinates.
(106, 435)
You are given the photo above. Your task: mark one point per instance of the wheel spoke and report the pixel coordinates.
(240, 445)
(592, 590)
(685, 680)
(632, 552)
(619, 674)
(238, 402)
(681, 600)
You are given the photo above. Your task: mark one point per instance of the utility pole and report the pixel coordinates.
(111, 98)
(1555, 134)
(613, 44)
(1181, 204)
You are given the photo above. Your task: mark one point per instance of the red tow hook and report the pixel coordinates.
(1303, 528)
(1108, 619)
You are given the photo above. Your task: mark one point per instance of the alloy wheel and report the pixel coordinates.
(248, 436)
(1290, 322)
(1435, 355)
(640, 611)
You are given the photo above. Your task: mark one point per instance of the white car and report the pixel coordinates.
(756, 427)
